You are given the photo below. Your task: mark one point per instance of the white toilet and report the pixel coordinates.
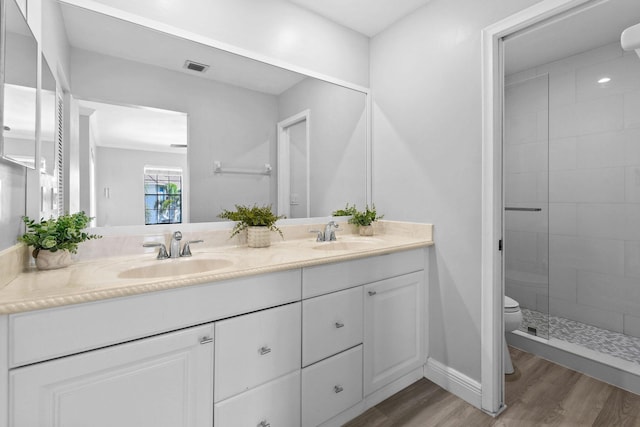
(512, 320)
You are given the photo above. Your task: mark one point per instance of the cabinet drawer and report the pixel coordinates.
(276, 403)
(330, 324)
(323, 279)
(256, 348)
(45, 334)
(331, 386)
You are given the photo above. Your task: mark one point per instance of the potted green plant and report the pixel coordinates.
(364, 219)
(55, 239)
(259, 221)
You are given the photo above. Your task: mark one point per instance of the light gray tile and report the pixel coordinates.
(632, 325)
(632, 184)
(601, 150)
(632, 260)
(563, 218)
(594, 255)
(562, 88)
(562, 153)
(563, 282)
(521, 187)
(605, 185)
(632, 109)
(602, 220)
(600, 115)
(600, 290)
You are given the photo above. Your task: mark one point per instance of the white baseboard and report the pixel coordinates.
(454, 381)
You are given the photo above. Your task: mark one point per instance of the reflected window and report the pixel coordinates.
(162, 195)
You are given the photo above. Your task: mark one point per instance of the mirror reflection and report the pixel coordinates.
(19, 104)
(230, 108)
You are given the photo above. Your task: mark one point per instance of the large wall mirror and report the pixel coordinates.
(171, 130)
(18, 96)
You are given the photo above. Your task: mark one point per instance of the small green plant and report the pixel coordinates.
(256, 216)
(366, 217)
(347, 211)
(57, 234)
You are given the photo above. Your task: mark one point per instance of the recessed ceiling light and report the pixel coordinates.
(604, 80)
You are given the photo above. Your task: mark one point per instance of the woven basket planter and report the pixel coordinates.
(47, 260)
(258, 237)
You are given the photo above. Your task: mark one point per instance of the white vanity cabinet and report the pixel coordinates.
(363, 329)
(393, 333)
(162, 381)
(308, 346)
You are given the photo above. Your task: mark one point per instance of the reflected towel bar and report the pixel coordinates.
(523, 209)
(217, 168)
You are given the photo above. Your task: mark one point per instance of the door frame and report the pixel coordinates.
(284, 158)
(492, 283)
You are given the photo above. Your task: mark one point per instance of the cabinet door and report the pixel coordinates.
(393, 333)
(165, 380)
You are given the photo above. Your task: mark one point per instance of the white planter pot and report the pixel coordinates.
(366, 230)
(47, 260)
(258, 237)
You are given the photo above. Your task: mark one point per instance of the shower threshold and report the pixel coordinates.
(603, 341)
(603, 354)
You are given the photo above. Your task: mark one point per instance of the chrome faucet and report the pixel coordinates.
(174, 248)
(329, 235)
(162, 252)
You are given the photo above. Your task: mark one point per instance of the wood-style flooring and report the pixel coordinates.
(542, 394)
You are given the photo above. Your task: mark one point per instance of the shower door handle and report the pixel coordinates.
(508, 208)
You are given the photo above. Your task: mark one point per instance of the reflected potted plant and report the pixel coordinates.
(362, 219)
(259, 221)
(55, 239)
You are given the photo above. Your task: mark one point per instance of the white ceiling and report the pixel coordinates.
(595, 26)
(138, 128)
(368, 17)
(130, 41)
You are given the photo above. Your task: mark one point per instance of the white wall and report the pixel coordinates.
(338, 138)
(275, 28)
(122, 171)
(594, 187)
(233, 125)
(425, 78)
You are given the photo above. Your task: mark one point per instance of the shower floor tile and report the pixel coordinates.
(601, 340)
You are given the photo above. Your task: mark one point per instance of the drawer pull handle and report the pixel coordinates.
(265, 350)
(206, 339)
(264, 423)
(337, 388)
(372, 293)
(339, 325)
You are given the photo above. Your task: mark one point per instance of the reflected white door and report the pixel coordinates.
(294, 166)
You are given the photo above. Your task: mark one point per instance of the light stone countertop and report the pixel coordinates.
(112, 277)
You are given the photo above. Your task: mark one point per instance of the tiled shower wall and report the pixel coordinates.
(593, 187)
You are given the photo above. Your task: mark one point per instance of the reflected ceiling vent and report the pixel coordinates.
(195, 66)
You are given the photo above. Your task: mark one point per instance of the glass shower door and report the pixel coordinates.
(526, 200)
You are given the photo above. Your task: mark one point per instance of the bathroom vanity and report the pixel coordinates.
(302, 335)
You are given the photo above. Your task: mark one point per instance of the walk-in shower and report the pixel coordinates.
(571, 153)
